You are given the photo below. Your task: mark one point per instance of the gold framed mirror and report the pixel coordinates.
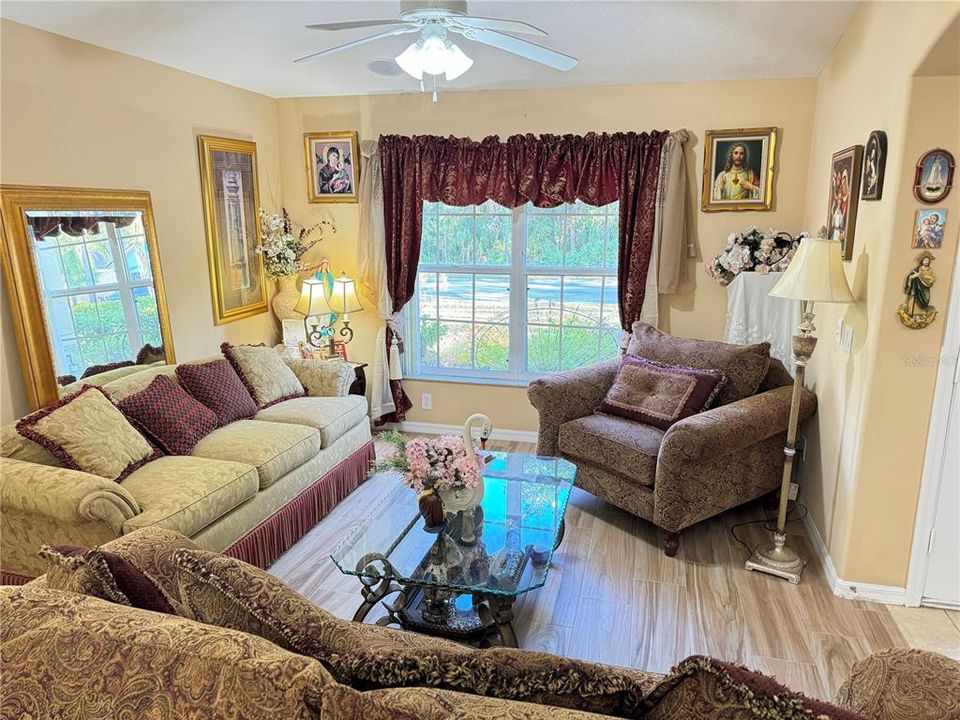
(86, 291)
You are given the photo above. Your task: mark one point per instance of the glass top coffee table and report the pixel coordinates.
(462, 582)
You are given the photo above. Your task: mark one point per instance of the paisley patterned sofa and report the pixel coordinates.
(250, 488)
(223, 639)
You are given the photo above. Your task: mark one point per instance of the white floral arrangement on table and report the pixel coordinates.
(754, 251)
(282, 251)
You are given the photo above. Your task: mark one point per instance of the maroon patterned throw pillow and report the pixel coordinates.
(169, 416)
(217, 385)
(658, 394)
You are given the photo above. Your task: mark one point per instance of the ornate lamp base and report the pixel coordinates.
(777, 559)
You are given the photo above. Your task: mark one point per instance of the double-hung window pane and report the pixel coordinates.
(514, 293)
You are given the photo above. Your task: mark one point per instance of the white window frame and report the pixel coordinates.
(518, 272)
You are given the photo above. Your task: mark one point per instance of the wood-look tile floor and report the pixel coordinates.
(613, 597)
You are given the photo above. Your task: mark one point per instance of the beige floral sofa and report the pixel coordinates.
(187, 633)
(250, 488)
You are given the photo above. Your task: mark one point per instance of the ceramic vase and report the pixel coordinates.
(286, 298)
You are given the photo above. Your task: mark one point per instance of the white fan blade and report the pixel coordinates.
(523, 48)
(350, 24)
(362, 41)
(484, 23)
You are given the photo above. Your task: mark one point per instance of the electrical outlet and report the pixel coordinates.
(847, 338)
(426, 401)
(794, 491)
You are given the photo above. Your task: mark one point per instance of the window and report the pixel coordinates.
(509, 294)
(99, 295)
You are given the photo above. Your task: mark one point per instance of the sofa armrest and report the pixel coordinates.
(68, 496)
(733, 427)
(323, 378)
(723, 457)
(902, 684)
(564, 396)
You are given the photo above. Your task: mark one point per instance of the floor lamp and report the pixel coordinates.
(814, 275)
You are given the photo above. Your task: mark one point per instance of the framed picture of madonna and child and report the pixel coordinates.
(333, 166)
(738, 169)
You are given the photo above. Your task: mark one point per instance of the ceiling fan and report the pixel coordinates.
(433, 53)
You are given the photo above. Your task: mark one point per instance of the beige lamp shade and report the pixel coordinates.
(313, 300)
(343, 297)
(815, 274)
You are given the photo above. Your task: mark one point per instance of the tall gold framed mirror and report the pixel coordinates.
(85, 287)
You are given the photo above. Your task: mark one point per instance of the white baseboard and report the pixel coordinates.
(527, 436)
(886, 594)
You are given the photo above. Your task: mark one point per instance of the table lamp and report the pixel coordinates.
(815, 274)
(313, 304)
(343, 301)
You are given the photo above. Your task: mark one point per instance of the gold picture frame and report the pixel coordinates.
(229, 186)
(332, 183)
(736, 183)
(23, 284)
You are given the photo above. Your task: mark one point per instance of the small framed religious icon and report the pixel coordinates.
(928, 229)
(844, 191)
(874, 164)
(916, 312)
(333, 169)
(934, 176)
(738, 169)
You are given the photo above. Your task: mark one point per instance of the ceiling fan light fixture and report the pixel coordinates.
(409, 61)
(458, 62)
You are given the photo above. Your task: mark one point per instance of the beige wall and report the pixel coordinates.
(862, 471)
(77, 115)
(700, 307)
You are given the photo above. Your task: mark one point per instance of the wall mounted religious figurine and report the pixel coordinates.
(928, 229)
(333, 166)
(738, 169)
(916, 311)
(874, 163)
(842, 201)
(934, 176)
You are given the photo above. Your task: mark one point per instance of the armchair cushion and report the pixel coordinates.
(744, 366)
(87, 432)
(622, 446)
(659, 394)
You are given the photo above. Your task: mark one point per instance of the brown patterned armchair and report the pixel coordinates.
(701, 465)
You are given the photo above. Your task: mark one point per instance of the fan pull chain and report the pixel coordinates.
(435, 88)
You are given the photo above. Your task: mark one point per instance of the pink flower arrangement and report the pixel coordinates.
(754, 251)
(438, 464)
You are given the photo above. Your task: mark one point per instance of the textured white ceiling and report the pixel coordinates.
(253, 44)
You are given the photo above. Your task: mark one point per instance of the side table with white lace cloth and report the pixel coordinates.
(753, 316)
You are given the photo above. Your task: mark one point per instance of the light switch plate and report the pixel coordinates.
(426, 401)
(847, 338)
(838, 331)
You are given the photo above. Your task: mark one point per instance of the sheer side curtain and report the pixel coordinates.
(644, 171)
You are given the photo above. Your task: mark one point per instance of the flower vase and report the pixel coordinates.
(463, 501)
(286, 298)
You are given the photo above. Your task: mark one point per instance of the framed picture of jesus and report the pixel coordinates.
(738, 169)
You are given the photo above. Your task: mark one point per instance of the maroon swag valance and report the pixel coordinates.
(546, 170)
(74, 225)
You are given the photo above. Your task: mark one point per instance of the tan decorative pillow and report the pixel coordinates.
(744, 366)
(87, 432)
(264, 373)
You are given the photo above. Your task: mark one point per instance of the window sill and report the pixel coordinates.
(500, 382)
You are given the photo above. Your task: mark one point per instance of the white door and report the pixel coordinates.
(942, 585)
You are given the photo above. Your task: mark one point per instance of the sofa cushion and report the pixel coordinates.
(217, 385)
(186, 493)
(744, 366)
(274, 449)
(264, 373)
(703, 687)
(74, 656)
(227, 592)
(120, 388)
(87, 432)
(169, 415)
(902, 684)
(15, 446)
(332, 416)
(659, 394)
(622, 446)
(105, 575)
(417, 703)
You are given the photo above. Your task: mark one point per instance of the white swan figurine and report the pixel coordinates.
(485, 431)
